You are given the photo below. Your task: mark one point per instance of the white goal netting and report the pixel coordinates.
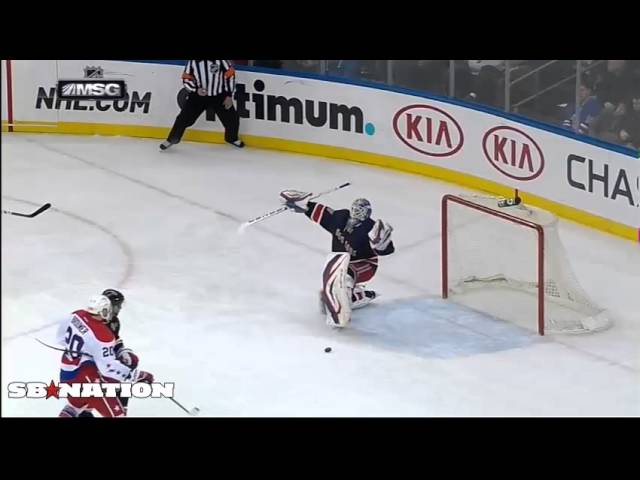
(493, 265)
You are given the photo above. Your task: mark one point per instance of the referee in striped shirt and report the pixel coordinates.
(211, 84)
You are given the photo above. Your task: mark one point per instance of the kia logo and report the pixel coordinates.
(428, 130)
(513, 153)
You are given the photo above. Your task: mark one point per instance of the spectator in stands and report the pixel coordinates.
(608, 124)
(615, 85)
(488, 74)
(476, 66)
(490, 81)
(629, 133)
(590, 108)
(463, 79)
(426, 75)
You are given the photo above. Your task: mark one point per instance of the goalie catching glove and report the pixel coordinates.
(380, 235)
(291, 198)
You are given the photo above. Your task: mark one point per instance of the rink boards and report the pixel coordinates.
(582, 179)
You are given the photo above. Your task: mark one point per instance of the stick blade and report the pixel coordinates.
(46, 206)
(242, 228)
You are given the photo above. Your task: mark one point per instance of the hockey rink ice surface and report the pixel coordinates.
(233, 319)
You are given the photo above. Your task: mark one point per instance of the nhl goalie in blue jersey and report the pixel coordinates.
(357, 241)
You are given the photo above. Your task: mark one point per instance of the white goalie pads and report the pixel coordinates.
(380, 235)
(336, 289)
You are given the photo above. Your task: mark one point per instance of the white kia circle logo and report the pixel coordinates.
(513, 153)
(428, 130)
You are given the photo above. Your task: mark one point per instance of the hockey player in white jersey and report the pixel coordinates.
(125, 355)
(91, 356)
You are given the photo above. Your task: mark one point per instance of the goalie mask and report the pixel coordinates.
(360, 209)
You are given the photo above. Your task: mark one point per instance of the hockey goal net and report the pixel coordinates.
(510, 262)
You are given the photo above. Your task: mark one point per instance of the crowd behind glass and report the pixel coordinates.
(600, 98)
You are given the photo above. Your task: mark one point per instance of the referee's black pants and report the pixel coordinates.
(193, 108)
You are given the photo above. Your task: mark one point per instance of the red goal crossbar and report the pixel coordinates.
(506, 217)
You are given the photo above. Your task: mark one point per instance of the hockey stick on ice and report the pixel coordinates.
(46, 206)
(253, 221)
(193, 412)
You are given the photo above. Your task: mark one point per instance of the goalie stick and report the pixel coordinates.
(193, 412)
(46, 206)
(253, 221)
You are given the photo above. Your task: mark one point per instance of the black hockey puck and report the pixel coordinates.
(327, 350)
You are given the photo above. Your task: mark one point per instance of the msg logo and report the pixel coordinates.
(92, 89)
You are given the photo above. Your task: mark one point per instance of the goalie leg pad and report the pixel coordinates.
(337, 286)
(322, 305)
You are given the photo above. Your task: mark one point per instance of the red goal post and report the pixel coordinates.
(500, 255)
(507, 218)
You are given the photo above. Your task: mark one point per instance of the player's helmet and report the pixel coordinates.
(360, 209)
(117, 299)
(100, 305)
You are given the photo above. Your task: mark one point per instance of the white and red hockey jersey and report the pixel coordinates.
(89, 342)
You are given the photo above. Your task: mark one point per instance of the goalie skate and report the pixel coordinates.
(361, 298)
